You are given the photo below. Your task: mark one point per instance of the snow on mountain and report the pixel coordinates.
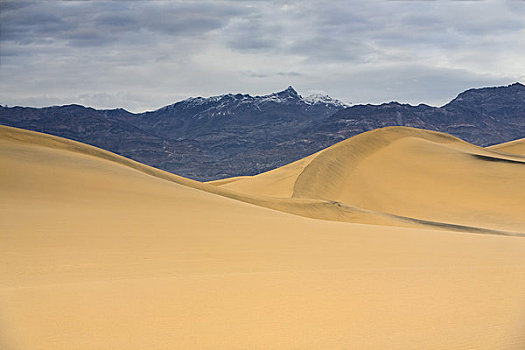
(288, 95)
(324, 99)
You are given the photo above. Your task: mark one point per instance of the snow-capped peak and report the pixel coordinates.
(288, 95)
(289, 91)
(324, 99)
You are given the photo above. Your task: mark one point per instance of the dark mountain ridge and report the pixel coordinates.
(239, 134)
(481, 116)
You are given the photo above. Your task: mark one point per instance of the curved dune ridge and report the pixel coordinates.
(418, 175)
(100, 252)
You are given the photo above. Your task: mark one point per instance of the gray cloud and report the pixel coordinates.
(145, 54)
(99, 22)
(270, 75)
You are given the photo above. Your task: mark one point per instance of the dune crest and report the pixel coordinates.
(321, 186)
(406, 174)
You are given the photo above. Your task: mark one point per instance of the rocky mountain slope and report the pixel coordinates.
(230, 135)
(481, 116)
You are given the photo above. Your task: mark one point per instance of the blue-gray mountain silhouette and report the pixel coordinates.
(236, 134)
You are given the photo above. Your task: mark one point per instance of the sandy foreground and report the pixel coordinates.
(99, 252)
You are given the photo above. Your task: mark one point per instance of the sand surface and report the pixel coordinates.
(512, 147)
(413, 174)
(99, 252)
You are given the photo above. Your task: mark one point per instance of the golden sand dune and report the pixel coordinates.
(430, 177)
(100, 252)
(512, 147)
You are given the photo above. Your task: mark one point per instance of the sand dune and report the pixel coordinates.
(512, 147)
(410, 173)
(100, 252)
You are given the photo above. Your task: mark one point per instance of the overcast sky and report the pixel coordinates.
(141, 55)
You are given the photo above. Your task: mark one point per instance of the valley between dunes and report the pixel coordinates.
(397, 238)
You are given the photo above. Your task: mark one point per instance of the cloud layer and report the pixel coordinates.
(145, 54)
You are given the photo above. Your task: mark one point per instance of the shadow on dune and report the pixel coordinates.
(497, 159)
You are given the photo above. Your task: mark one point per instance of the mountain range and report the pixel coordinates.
(238, 134)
